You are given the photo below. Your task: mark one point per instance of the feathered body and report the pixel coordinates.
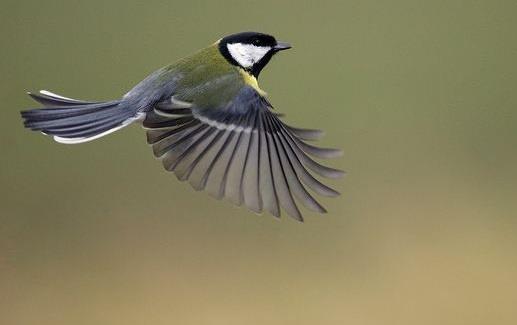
(209, 123)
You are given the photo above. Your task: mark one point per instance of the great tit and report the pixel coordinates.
(209, 122)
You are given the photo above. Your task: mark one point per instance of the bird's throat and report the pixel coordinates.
(251, 81)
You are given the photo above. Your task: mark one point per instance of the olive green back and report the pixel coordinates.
(205, 78)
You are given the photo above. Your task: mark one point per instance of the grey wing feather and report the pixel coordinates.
(292, 177)
(267, 185)
(236, 167)
(305, 134)
(241, 151)
(201, 171)
(250, 178)
(218, 170)
(280, 181)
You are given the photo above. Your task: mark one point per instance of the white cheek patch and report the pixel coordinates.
(247, 54)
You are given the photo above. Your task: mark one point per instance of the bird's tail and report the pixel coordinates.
(76, 121)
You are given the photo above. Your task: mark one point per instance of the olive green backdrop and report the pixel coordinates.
(420, 95)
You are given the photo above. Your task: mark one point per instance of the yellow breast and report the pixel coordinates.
(251, 81)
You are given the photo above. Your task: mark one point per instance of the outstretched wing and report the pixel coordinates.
(242, 152)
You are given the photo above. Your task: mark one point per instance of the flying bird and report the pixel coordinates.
(210, 123)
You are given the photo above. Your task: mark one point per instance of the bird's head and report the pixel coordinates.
(250, 50)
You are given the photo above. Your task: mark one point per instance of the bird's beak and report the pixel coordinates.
(280, 46)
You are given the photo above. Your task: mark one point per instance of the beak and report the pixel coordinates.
(280, 46)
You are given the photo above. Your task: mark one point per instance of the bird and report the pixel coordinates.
(209, 122)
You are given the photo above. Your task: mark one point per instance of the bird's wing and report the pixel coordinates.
(242, 152)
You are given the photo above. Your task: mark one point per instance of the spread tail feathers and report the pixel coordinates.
(75, 121)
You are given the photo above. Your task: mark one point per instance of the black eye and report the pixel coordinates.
(256, 41)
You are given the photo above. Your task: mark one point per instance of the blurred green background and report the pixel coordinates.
(421, 95)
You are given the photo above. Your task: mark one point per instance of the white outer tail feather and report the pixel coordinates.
(62, 140)
(51, 94)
